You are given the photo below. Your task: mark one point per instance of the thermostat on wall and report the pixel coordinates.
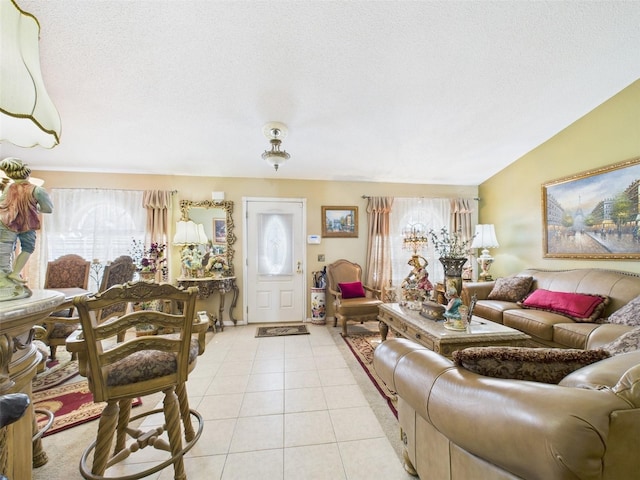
(313, 239)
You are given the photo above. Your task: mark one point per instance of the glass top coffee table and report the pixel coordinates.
(433, 335)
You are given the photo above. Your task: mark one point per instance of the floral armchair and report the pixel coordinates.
(65, 273)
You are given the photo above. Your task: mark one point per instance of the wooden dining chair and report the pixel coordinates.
(64, 274)
(119, 372)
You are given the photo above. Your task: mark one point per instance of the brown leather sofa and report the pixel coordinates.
(552, 329)
(456, 424)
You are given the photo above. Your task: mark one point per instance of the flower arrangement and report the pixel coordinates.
(449, 245)
(218, 264)
(150, 259)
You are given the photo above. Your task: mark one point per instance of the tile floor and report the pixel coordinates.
(296, 407)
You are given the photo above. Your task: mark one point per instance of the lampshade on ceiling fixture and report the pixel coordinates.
(275, 132)
(27, 115)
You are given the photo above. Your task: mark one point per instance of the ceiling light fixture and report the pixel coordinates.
(27, 114)
(275, 132)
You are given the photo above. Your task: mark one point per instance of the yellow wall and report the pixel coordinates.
(512, 199)
(317, 193)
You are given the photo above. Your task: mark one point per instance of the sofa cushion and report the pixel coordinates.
(627, 315)
(511, 289)
(627, 342)
(351, 290)
(548, 365)
(579, 307)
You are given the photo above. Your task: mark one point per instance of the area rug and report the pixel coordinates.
(72, 404)
(363, 345)
(54, 376)
(281, 330)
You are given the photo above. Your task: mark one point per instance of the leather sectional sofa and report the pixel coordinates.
(459, 425)
(551, 329)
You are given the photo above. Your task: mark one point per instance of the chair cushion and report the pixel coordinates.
(548, 365)
(63, 330)
(145, 365)
(579, 307)
(351, 289)
(511, 289)
(359, 306)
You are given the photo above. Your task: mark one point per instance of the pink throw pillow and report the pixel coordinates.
(351, 290)
(574, 305)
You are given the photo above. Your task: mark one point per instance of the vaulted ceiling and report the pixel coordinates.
(440, 92)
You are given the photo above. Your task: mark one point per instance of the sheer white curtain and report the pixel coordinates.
(433, 213)
(93, 223)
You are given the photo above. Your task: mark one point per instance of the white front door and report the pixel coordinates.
(274, 263)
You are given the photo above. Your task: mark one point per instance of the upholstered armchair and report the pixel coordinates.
(353, 301)
(64, 274)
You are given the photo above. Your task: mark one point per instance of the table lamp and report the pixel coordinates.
(485, 238)
(189, 235)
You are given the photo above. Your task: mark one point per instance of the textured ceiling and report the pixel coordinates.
(440, 92)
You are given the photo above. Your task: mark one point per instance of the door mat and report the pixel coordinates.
(72, 404)
(362, 345)
(54, 376)
(282, 330)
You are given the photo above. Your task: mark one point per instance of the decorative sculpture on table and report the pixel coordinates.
(21, 203)
(416, 286)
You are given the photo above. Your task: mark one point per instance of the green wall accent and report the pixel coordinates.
(512, 199)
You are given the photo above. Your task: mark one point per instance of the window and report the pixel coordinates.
(95, 224)
(432, 213)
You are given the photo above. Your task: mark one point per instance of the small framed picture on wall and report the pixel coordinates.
(340, 221)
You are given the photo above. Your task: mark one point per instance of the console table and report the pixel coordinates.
(209, 285)
(432, 334)
(18, 361)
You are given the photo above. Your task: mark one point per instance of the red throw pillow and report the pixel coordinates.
(574, 305)
(351, 290)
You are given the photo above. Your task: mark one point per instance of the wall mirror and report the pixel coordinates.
(218, 225)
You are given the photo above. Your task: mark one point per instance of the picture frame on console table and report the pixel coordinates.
(340, 222)
(593, 214)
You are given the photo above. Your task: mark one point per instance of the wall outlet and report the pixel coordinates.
(321, 257)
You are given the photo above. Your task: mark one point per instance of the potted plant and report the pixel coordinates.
(149, 261)
(453, 253)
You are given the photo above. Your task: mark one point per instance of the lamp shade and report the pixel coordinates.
(27, 115)
(485, 237)
(189, 233)
(202, 237)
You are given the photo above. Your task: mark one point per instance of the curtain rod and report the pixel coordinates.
(477, 199)
(172, 192)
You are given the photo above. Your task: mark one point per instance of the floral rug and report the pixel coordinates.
(54, 376)
(72, 404)
(363, 345)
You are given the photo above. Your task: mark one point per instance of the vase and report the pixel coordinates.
(453, 272)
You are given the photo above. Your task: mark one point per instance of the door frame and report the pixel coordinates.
(245, 251)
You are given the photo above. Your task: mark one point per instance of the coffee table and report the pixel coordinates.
(432, 334)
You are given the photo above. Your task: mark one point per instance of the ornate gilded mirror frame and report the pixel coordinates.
(227, 206)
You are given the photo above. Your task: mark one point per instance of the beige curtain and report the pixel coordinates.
(378, 267)
(158, 204)
(461, 217)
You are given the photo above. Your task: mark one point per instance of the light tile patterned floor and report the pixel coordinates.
(286, 408)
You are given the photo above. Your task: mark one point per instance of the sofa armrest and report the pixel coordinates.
(480, 289)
